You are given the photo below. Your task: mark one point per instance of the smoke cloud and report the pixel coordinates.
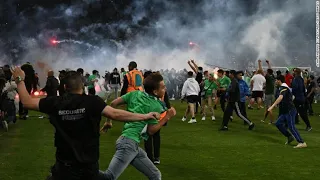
(224, 33)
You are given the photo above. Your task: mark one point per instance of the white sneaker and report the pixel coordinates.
(301, 145)
(41, 117)
(231, 117)
(184, 119)
(203, 118)
(192, 121)
(156, 162)
(213, 118)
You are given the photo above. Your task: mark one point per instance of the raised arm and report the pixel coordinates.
(27, 101)
(192, 67)
(269, 65)
(195, 65)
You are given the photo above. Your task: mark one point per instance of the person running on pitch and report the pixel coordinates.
(210, 84)
(287, 113)
(233, 103)
(127, 145)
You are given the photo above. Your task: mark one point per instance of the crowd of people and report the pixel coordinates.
(147, 95)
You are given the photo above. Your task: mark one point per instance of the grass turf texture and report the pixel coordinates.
(188, 151)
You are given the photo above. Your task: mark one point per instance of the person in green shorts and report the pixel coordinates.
(91, 80)
(210, 85)
(127, 145)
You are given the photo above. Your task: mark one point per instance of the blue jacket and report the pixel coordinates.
(298, 89)
(244, 90)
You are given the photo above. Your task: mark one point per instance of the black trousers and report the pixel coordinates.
(152, 146)
(310, 102)
(64, 171)
(22, 111)
(222, 96)
(243, 109)
(228, 112)
(302, 110)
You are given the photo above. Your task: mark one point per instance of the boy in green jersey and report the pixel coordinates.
(223, 83)
(209, 85)
(127, 145)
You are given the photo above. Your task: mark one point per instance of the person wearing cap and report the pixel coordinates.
(233, 103)
(91, 82)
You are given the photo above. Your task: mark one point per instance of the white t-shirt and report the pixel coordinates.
(258, 82)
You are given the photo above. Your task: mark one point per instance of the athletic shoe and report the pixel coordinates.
(192, 121)
(251, 126)
(301, 145)
(224, 128)
(156, 161)
(213, 118)
(184, 119)
(308, 129)
(290, 140)
(203, 118)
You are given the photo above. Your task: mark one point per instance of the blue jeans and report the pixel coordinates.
(129, 152)
(115, 88)
(288, 119)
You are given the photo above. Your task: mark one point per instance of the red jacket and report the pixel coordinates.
(288, 79)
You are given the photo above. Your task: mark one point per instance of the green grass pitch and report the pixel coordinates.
(188, 151)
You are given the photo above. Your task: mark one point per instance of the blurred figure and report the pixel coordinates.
(52, 85)
(91, 82)
(115, 81)
(311, 90)
(8, 106)
(300, 98)
(133, 80)
(190, 91)
(61, 88)
(36, 83)
(29, 82)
